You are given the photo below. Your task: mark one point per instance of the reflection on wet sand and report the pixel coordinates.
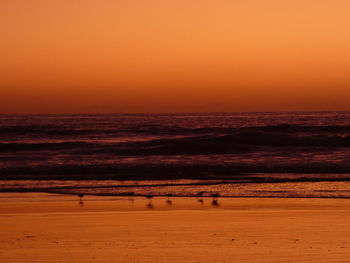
(134, 202)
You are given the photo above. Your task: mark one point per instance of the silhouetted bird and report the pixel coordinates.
(200, 200)
(168, 201)
(199, 197)
(80, 199)
(215, 201)
(149, 197)
(80, 196)
(130, 194)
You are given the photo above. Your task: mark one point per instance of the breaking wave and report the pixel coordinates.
(189, 146)
(218, 142)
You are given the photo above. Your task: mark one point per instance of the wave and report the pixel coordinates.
(235, 148)
(14, 147)
(59, 130)
(237, 142)
(170, 171)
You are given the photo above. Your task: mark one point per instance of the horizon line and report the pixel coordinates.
(178, 113)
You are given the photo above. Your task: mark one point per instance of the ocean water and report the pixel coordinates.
(272, 154)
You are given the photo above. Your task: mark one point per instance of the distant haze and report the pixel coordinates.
(75, 56)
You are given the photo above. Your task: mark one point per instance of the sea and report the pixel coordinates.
(263, 154)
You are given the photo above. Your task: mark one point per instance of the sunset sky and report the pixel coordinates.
(87, 56)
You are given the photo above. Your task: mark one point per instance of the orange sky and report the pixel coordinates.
(76, 56)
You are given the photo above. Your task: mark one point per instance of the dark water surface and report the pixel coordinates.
(303, 154)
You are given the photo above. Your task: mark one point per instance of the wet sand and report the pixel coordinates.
(56, 228)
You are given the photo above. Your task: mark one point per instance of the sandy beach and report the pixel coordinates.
(174, 131)
(56, 228)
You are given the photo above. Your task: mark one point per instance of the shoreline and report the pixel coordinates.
(286, 186)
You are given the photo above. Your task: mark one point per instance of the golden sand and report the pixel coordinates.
(56, 228)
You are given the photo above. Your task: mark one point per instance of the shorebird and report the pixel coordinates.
(80, 199)
(149, 197)
(168, 201)
(131, 194)
(80, 196)
(215, 201)
(200, 197)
